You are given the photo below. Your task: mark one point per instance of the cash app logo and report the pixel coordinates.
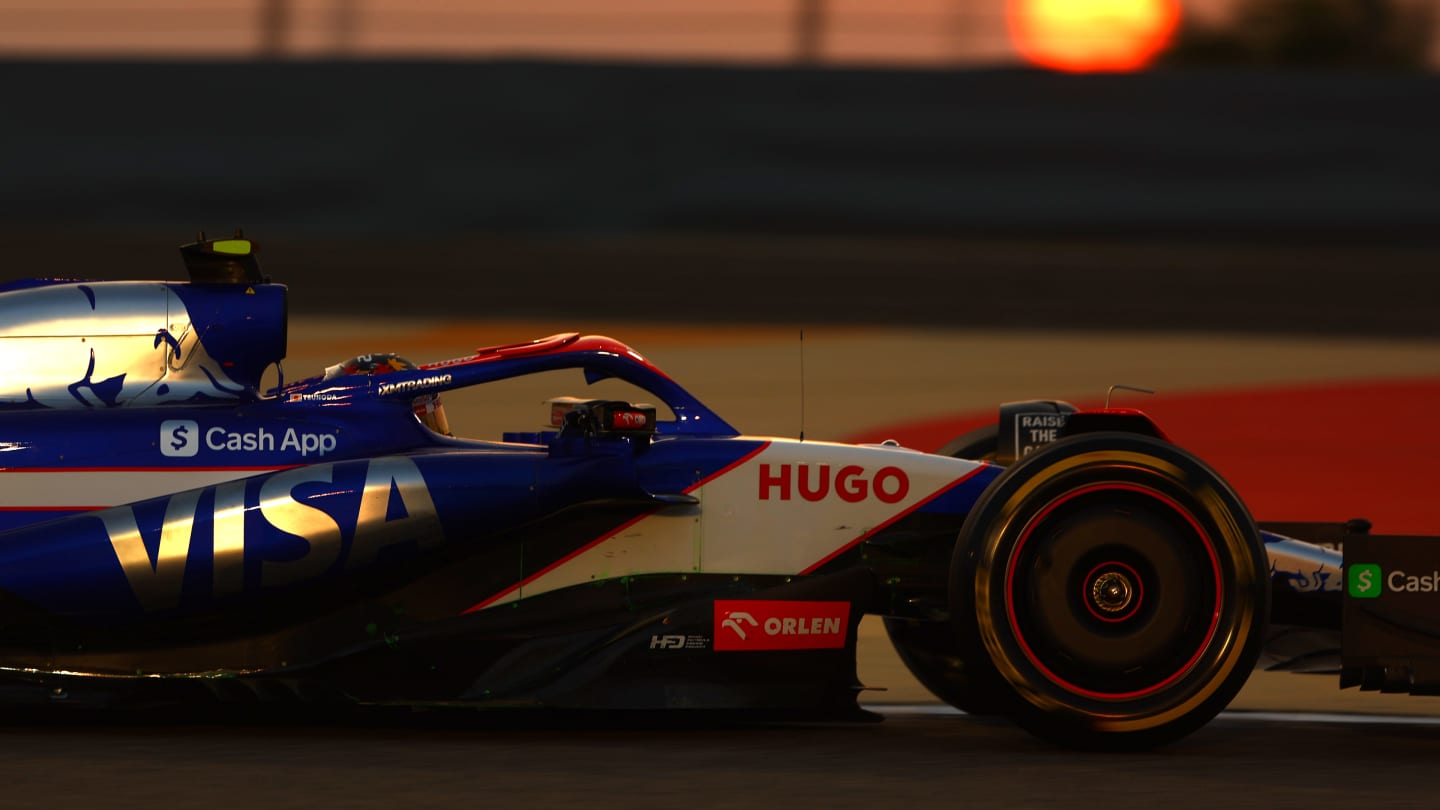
(1364, 579)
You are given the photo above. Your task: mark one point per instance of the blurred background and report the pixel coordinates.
(1080, 35)
(1196, 164)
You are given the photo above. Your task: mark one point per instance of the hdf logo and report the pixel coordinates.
(179, 438)
(1364, 579)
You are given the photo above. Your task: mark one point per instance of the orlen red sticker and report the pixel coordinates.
(765, 624)
(627, 420)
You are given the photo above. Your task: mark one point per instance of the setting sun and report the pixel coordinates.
(1084, 36)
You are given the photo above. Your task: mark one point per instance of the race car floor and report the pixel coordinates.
(1305, 428)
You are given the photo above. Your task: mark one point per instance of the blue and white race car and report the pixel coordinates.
(171, 532)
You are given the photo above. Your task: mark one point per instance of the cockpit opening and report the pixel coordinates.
(522, 409)
(427, 407)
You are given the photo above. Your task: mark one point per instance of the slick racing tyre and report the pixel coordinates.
(1118, 586)
(980, 444)
(929, 649)
(932, 654)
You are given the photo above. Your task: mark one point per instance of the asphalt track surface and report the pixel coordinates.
(908, 760)
(856, 379)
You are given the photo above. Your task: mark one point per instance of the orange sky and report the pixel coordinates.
(856, 31)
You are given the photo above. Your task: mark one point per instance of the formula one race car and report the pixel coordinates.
(171, 532)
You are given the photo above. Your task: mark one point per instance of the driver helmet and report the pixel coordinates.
(427, 407)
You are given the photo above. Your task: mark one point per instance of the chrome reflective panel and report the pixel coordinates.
(1314, 572)
(296, 539)
(157, 585)
(101, 309)
(373, 531)
(318, 529)
(1304, 567)
(104, 344)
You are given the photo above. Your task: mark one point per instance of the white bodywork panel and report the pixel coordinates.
(784, 509)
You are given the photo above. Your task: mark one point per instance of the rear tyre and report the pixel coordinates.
(932, 654)
(929, 649)
(1118, 586)
(980, 444)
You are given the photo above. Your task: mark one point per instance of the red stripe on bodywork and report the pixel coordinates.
(608, 535)
(867, 535)
(563, 343)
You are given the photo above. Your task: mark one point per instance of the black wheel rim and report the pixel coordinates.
(1113, 591)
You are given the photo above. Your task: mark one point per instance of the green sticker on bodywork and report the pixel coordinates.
(1364, 580)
